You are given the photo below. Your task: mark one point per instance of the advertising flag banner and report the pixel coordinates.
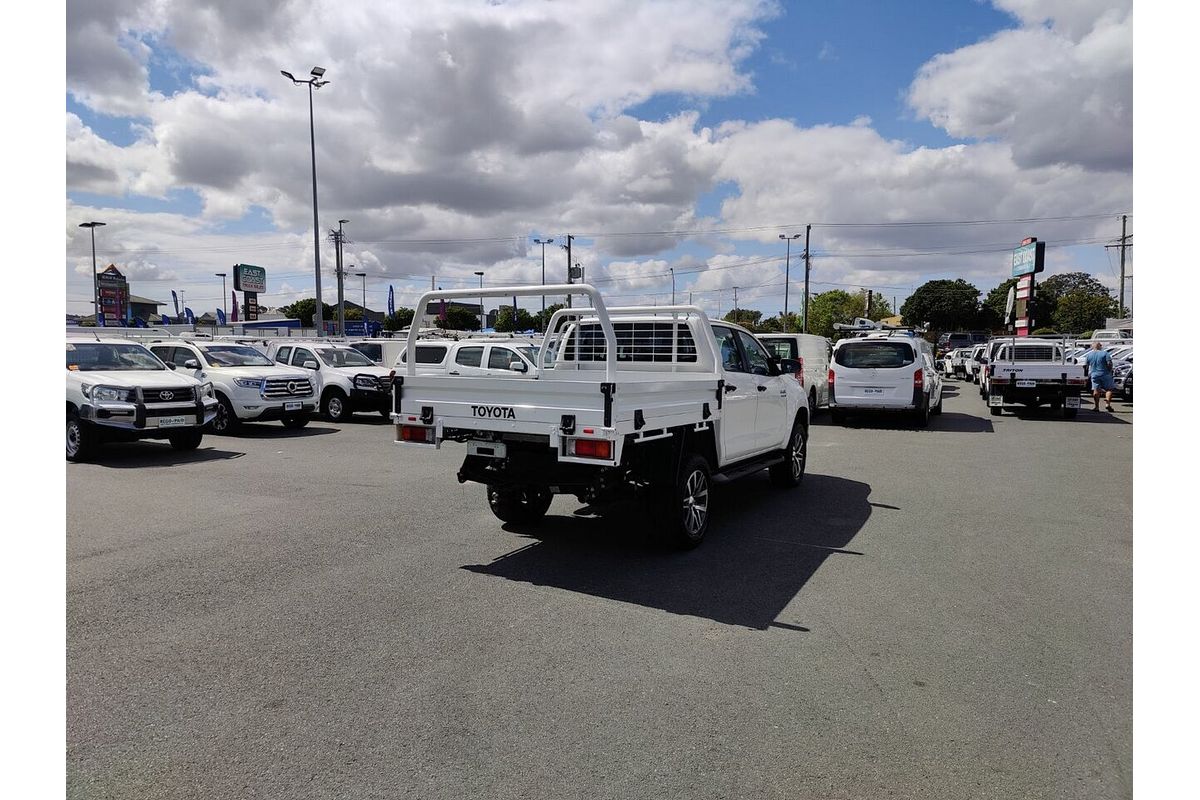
(234, 318)
(188, 316)
(220, 316)
(391, 301)
(175, 300)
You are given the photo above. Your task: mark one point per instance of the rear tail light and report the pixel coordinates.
(1076, 381)
(589, 448)
(417, 433)
(831, 377)
(919, 378)
(800, 371)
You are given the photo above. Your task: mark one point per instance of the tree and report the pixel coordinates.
(542, 318)
(944, 305)
(506, 324)
(305, 309)
(458, 319)
(354, 314)
(1078, 311)
(746, 317)
(992, 313)
(781, 323)
(1049, 293)
(398, 321)
(840, 307)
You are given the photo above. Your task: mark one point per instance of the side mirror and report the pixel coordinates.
(518, 366)
(773, 368)
(191, 363)
(170, 364)
(311, 365)
(983, 359)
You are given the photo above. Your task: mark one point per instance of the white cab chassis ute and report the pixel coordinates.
(1033, 372)
(644, 402)
(117, 390)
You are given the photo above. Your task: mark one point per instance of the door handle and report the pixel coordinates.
(452, 372)
(729, 387)
(762, 388)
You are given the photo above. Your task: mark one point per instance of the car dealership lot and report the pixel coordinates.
(320, 613)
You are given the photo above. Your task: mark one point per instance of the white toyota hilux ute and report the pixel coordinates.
(248, 385)
(637, 402)
(347, 381)
(117, 390)
(1033, 372)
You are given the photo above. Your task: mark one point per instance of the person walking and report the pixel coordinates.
(1100, 368)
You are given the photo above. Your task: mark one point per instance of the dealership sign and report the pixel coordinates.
(248, 278)
(1029, 258)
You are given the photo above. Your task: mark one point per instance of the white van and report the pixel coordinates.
(882, 372)
(812, 352)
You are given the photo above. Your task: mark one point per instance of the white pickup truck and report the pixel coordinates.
(1033, 372)
(649, 402)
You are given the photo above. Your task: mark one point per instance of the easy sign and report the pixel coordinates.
(1029, 258)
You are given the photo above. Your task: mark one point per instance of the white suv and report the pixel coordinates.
(347, 381)
(884, 373)
(117, 390)
(249, 386)
(474, 357)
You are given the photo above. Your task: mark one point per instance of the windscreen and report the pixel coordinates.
(235, 356)
(343, 358)
(372, 350)
(874, 355)
(110, 357)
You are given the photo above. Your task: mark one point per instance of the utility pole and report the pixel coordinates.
(569, 262)
(870, 296)
(1123, 243)
(735, 305)
(339, 238)
(787, 272)
(672, 271)
(807, 266)
(543, 243)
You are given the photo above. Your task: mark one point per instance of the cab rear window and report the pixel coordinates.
(874, 355)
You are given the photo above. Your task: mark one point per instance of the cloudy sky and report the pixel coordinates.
(682, 135)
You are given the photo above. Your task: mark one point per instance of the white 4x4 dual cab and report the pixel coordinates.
(249, 386)
(347, 381)
(649, 402)
(474, 357)
(117, 390)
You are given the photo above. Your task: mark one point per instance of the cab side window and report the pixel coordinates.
(760, 362)
(281, 355)
(163, 353)
(731, 357)
(502, 358)
(469, 356)
(300, 356)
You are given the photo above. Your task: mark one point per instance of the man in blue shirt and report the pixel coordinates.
(1100, 368)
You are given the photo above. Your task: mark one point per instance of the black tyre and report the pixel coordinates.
(81, 439)
(524, 506)
(812, 402)
(789, 473)
(995, 410)
(1070, 413)
(938, 408)
(921, 415)
(334, 406)
(226, 420)
(187, 440)
(681, 511)
(295, 423)
(385, 413)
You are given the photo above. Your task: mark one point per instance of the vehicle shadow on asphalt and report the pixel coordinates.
(267, 430)
(1043, 414)
(951, 421)
(132, 455)
(763, 546)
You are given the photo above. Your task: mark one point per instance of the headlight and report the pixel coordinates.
(111, 394)
(206, 390)
(248, 383)
(365, 382)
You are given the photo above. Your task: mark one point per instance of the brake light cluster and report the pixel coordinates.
(590, 448)
(919, 378)
(799, 373)
(420, 434)
(831, 377)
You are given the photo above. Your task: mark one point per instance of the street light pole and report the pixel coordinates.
(672, 271)
(95, 281)
(222, 275)
(787, 273)
(314, 82)
(482, 325)
(807, 266)
(543, 243)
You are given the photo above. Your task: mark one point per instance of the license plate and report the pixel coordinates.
(872, 391)
(1026, 384)
(1072, 402)
(292, 405)
(486, 449)
(996, 400)
(172, 422)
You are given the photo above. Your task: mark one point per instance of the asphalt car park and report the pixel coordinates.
(941, 612)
